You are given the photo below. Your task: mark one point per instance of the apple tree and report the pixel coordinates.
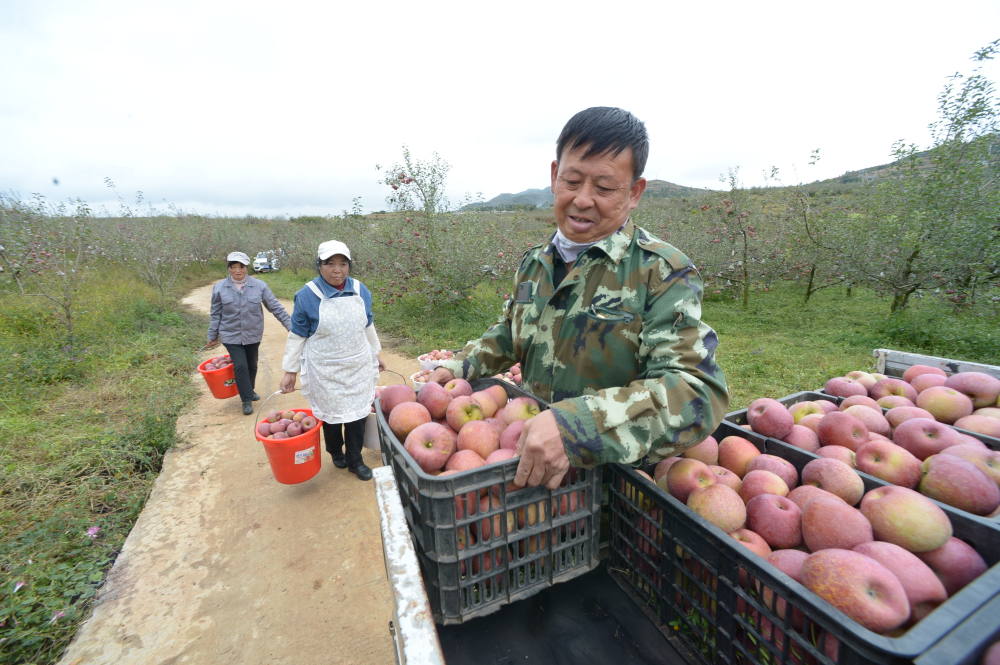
(46, 251)
(934, 227)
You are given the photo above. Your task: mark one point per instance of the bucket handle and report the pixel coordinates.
(260, 410)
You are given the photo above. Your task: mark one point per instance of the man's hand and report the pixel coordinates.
(287, 384)
(441, 375)
(211, 345)
(381, 363)
(543, 458)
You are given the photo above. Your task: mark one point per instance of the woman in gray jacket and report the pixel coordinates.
(237, 320)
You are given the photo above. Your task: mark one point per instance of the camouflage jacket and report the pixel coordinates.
(618, 349)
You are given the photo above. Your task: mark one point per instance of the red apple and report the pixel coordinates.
(720, 505)
(925, 381)
(463, 460)
(884, 459)
(842, 429)
(752, 541)
(913, 371)
(955, 562)
(458, 386)
(406, 416)
(519, 408)
(857, 585)
(803, 437)
(430, 445)
(395, 394)
(892, 386)
(924, 437)
(871, 417)
(707, 451)
(945, 403)
(841, 386)
(769, 417)
(686, 475)
(776, 465)
(845, 455)
(776, 518)
(480, 437)
(831, 523)
(803, 494)
(511, 434)
(980, 424)
(981, 388)
(863, 400)
(834, 476)
(906, 517)
(919, 581)
(735, 453)
(760, 481)
(461, 410)
(900, 414)
(435, 398)
(960, 483)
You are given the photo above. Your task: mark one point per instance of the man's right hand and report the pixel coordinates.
(441, 375)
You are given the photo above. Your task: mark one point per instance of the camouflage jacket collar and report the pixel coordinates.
(615, 245)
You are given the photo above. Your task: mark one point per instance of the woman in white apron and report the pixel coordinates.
(334, 346)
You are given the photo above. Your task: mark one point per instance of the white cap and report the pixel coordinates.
(332, 248)
(238, 256)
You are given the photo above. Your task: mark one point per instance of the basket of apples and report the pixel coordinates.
(220, 377)
(432, 359)
(291, 441)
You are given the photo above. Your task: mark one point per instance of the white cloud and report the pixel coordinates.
(250, 106)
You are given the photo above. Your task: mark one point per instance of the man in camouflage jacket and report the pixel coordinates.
(605, 320)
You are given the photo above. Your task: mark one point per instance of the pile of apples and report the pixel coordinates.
(512, 375)
(969, 400)
(286, 424)
(902, 445)
(431, 359)
(220, 362)
(885, 558)
(452, 428)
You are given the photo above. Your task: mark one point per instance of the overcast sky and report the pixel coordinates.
(285, 108)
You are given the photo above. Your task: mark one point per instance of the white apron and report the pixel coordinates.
(339, 368)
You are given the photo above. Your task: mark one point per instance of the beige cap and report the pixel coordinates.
(239, 257)
(332, 248)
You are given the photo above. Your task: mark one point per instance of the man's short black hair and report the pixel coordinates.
(606, 129)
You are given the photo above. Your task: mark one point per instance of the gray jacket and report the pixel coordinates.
(237, 317)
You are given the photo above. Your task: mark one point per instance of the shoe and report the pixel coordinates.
(247, 408)
(256, 397)
(362, 472)
(339, 461)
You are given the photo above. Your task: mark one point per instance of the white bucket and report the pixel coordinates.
(371, 433)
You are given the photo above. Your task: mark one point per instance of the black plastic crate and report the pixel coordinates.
(474, 559)
(969, 641)
(723, 604)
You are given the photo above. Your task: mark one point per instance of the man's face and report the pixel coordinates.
(594, 196)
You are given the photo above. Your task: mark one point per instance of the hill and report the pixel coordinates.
(542, 198)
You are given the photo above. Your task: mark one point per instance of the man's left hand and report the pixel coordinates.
(543, 458)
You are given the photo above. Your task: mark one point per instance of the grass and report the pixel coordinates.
(82, 441)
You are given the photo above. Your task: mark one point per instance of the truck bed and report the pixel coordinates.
(589, 619)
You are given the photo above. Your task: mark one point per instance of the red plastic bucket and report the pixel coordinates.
(295, 459)
(222, 382)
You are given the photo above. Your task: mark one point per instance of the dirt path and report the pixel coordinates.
(225, 565)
